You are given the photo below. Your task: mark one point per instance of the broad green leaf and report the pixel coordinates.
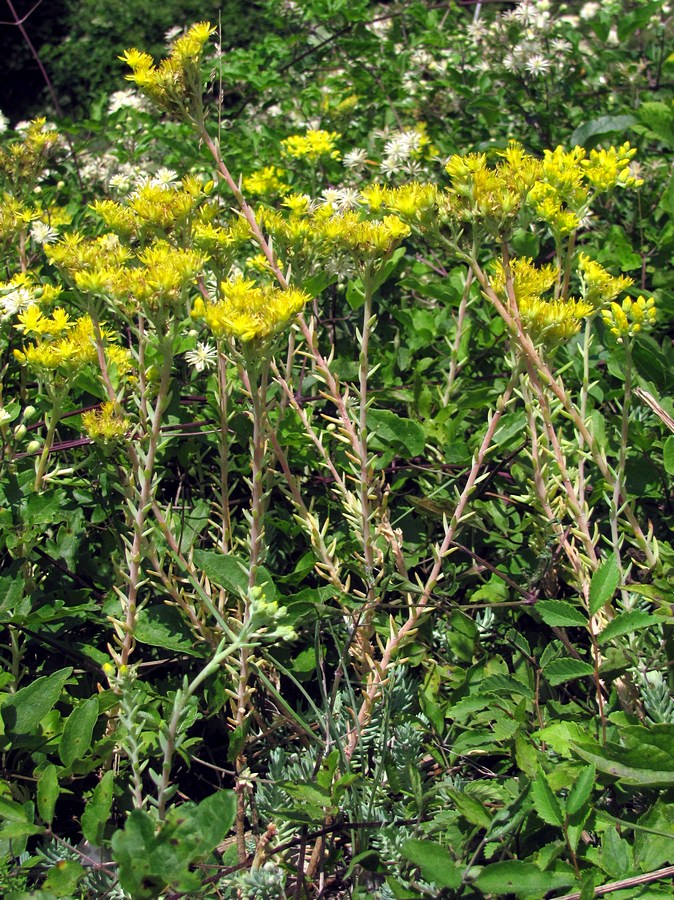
(472, 809)
(581, 791)
(224, 569)
(616, 856)
(566, 669)
(627, 623)
(598, 127)
(97, 810)
(214, 818)
(647, 763)
(668, 450)
(560, 613)
(78, 731)
(545, 803)
(163, 626)
(132, 849)
(654, 845)
(604, 584)
(22, 712)
(396, 431)
(64, 877)
(434, 861)
(667, 204)
(520, 878)
(47, 793)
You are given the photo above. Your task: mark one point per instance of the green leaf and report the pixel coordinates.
(520, 878)
(64, 877)
(616, 856)
(164, 626)
(47, 793)
(22, 712)
(604, 583)
(561, 614)
(667, 200)
(214, 818)
(566, 669)
(225, 570)
(545, 803)
(393, 430)
(599, 127)
(97, 811)
(470, 808)
(627, 623)
(668, 455)
(434, 861)
(645, 764)
(78, 731)
(581, 791)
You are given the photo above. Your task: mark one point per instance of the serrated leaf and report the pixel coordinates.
(545, 803)
(22, 712)
(78, 731)
(434, 861)
(566, 669)
(561, 614)
(581, 790)
(604, 584)
(627, 623)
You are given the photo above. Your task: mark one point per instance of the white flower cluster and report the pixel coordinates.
(128, 99)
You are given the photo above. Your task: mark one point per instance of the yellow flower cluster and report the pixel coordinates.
(155, 277)
(105, 425)
(15, 216)
(267, 181)
(606, 169)
(547, 321)
(415, 202)
(629, 317)
(64, 345)
(368, 240)
(312, 145)
(490, 197)
(598, 286)
(175, 83)
(558, 188)
(22, 161)
(158, 209)
(248, 311)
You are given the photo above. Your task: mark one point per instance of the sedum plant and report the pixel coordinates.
(402, 629)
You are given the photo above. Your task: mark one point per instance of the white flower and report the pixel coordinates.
(4, 122)
(589, 11)
(204, 356)
(354, 159)
(16, 301)
(537, 65)
(172, 34)
(128, 99)
(43, 233)
(164, 178)
(5, 417)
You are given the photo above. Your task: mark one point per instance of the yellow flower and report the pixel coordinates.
(105, 425)
(597, 285)
(266, 181)
(629, 317)
(312, 145)
(249, 311)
